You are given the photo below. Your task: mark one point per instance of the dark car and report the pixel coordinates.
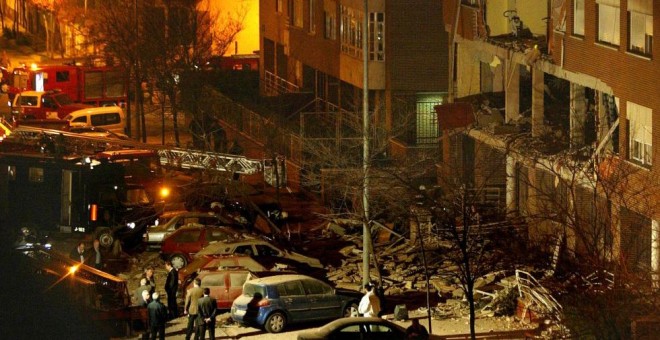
(274, 302)
(180, 246)
(372, 328)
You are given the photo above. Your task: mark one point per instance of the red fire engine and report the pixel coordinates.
(93, 85)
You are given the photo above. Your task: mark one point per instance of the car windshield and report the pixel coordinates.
(28, 100)
(251, 289)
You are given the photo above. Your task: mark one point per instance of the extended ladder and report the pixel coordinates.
(173, 157)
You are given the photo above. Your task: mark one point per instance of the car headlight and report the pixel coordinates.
(131, 225)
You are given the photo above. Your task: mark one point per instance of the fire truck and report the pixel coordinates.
(92, 85)
(58, 180)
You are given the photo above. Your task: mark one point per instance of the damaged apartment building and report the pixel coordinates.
(560, 98)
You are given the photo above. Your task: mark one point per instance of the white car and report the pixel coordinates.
(171, 221)
(257, 248)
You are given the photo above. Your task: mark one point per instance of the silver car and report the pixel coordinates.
(171, 221)
(257, 248)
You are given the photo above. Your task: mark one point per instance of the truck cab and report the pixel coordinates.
(43, 105)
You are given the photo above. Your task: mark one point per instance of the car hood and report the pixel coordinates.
(303, 259)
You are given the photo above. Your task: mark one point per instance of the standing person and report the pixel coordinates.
(370, 303)
(139, 292)
(157, 317)
(78, 253)
(416, 331)
(98, 259)
(146, 299)
(206, 308)
(150, 276)
(171, 287)
(190, 307)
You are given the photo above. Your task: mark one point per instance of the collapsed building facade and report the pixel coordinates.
(565, 93)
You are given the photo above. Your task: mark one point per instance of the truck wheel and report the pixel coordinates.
(178, 261)
(105, 237)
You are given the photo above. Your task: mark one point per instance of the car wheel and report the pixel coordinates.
(105, 237)
(351, 310)
(275, 323)
(178, 261)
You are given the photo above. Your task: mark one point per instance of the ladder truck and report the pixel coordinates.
(82, 171)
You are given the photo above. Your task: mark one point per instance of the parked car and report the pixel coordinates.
(226, 283)
(181, 245)
(372, 328)
(210, 262)
(274, 302)
(92, 131)
(44, 105)
(171, 221)
(258, 248)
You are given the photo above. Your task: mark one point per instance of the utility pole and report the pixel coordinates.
(366, 230)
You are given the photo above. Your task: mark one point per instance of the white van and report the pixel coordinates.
(108, 117)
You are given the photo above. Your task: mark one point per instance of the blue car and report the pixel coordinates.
(276, 301)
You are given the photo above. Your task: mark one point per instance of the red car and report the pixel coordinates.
(226, 284)
(214, 262)
(180, 246)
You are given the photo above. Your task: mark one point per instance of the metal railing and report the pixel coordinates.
(274, 84)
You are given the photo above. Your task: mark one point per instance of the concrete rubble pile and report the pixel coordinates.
(402, 272)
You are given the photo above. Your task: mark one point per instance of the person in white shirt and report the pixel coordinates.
(370, 303)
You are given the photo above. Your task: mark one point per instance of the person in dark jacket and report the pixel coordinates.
(78, 253)
(157, 317)
(171, 288)
(206, 311)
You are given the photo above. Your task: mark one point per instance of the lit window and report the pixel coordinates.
(330, 26)
(578, 17)
(351, 31)
(377, 36)
(298, 13)
(278, 6)
(608, 21)
(640, 26)
(312, 24)
(640, 133)
(36, 175)
(11, 172)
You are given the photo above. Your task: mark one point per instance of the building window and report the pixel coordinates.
(578, 17)
(330, 26)
(640, 26)
(377, 36)
(11, 172)
(640, 133)
(312, 23)
(608, 21)
(298, 13)
(36, 175)
(278, 6)
(351, 31)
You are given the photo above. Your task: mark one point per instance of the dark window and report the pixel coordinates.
(313, 287)
(247, 250)
(291, 288)
(264, 250)
(187, 236)
(61, 76)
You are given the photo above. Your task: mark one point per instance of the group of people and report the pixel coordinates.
(93, 257)
(199, 306)
(370, 306)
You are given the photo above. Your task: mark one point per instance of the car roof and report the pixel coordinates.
(270, 280)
